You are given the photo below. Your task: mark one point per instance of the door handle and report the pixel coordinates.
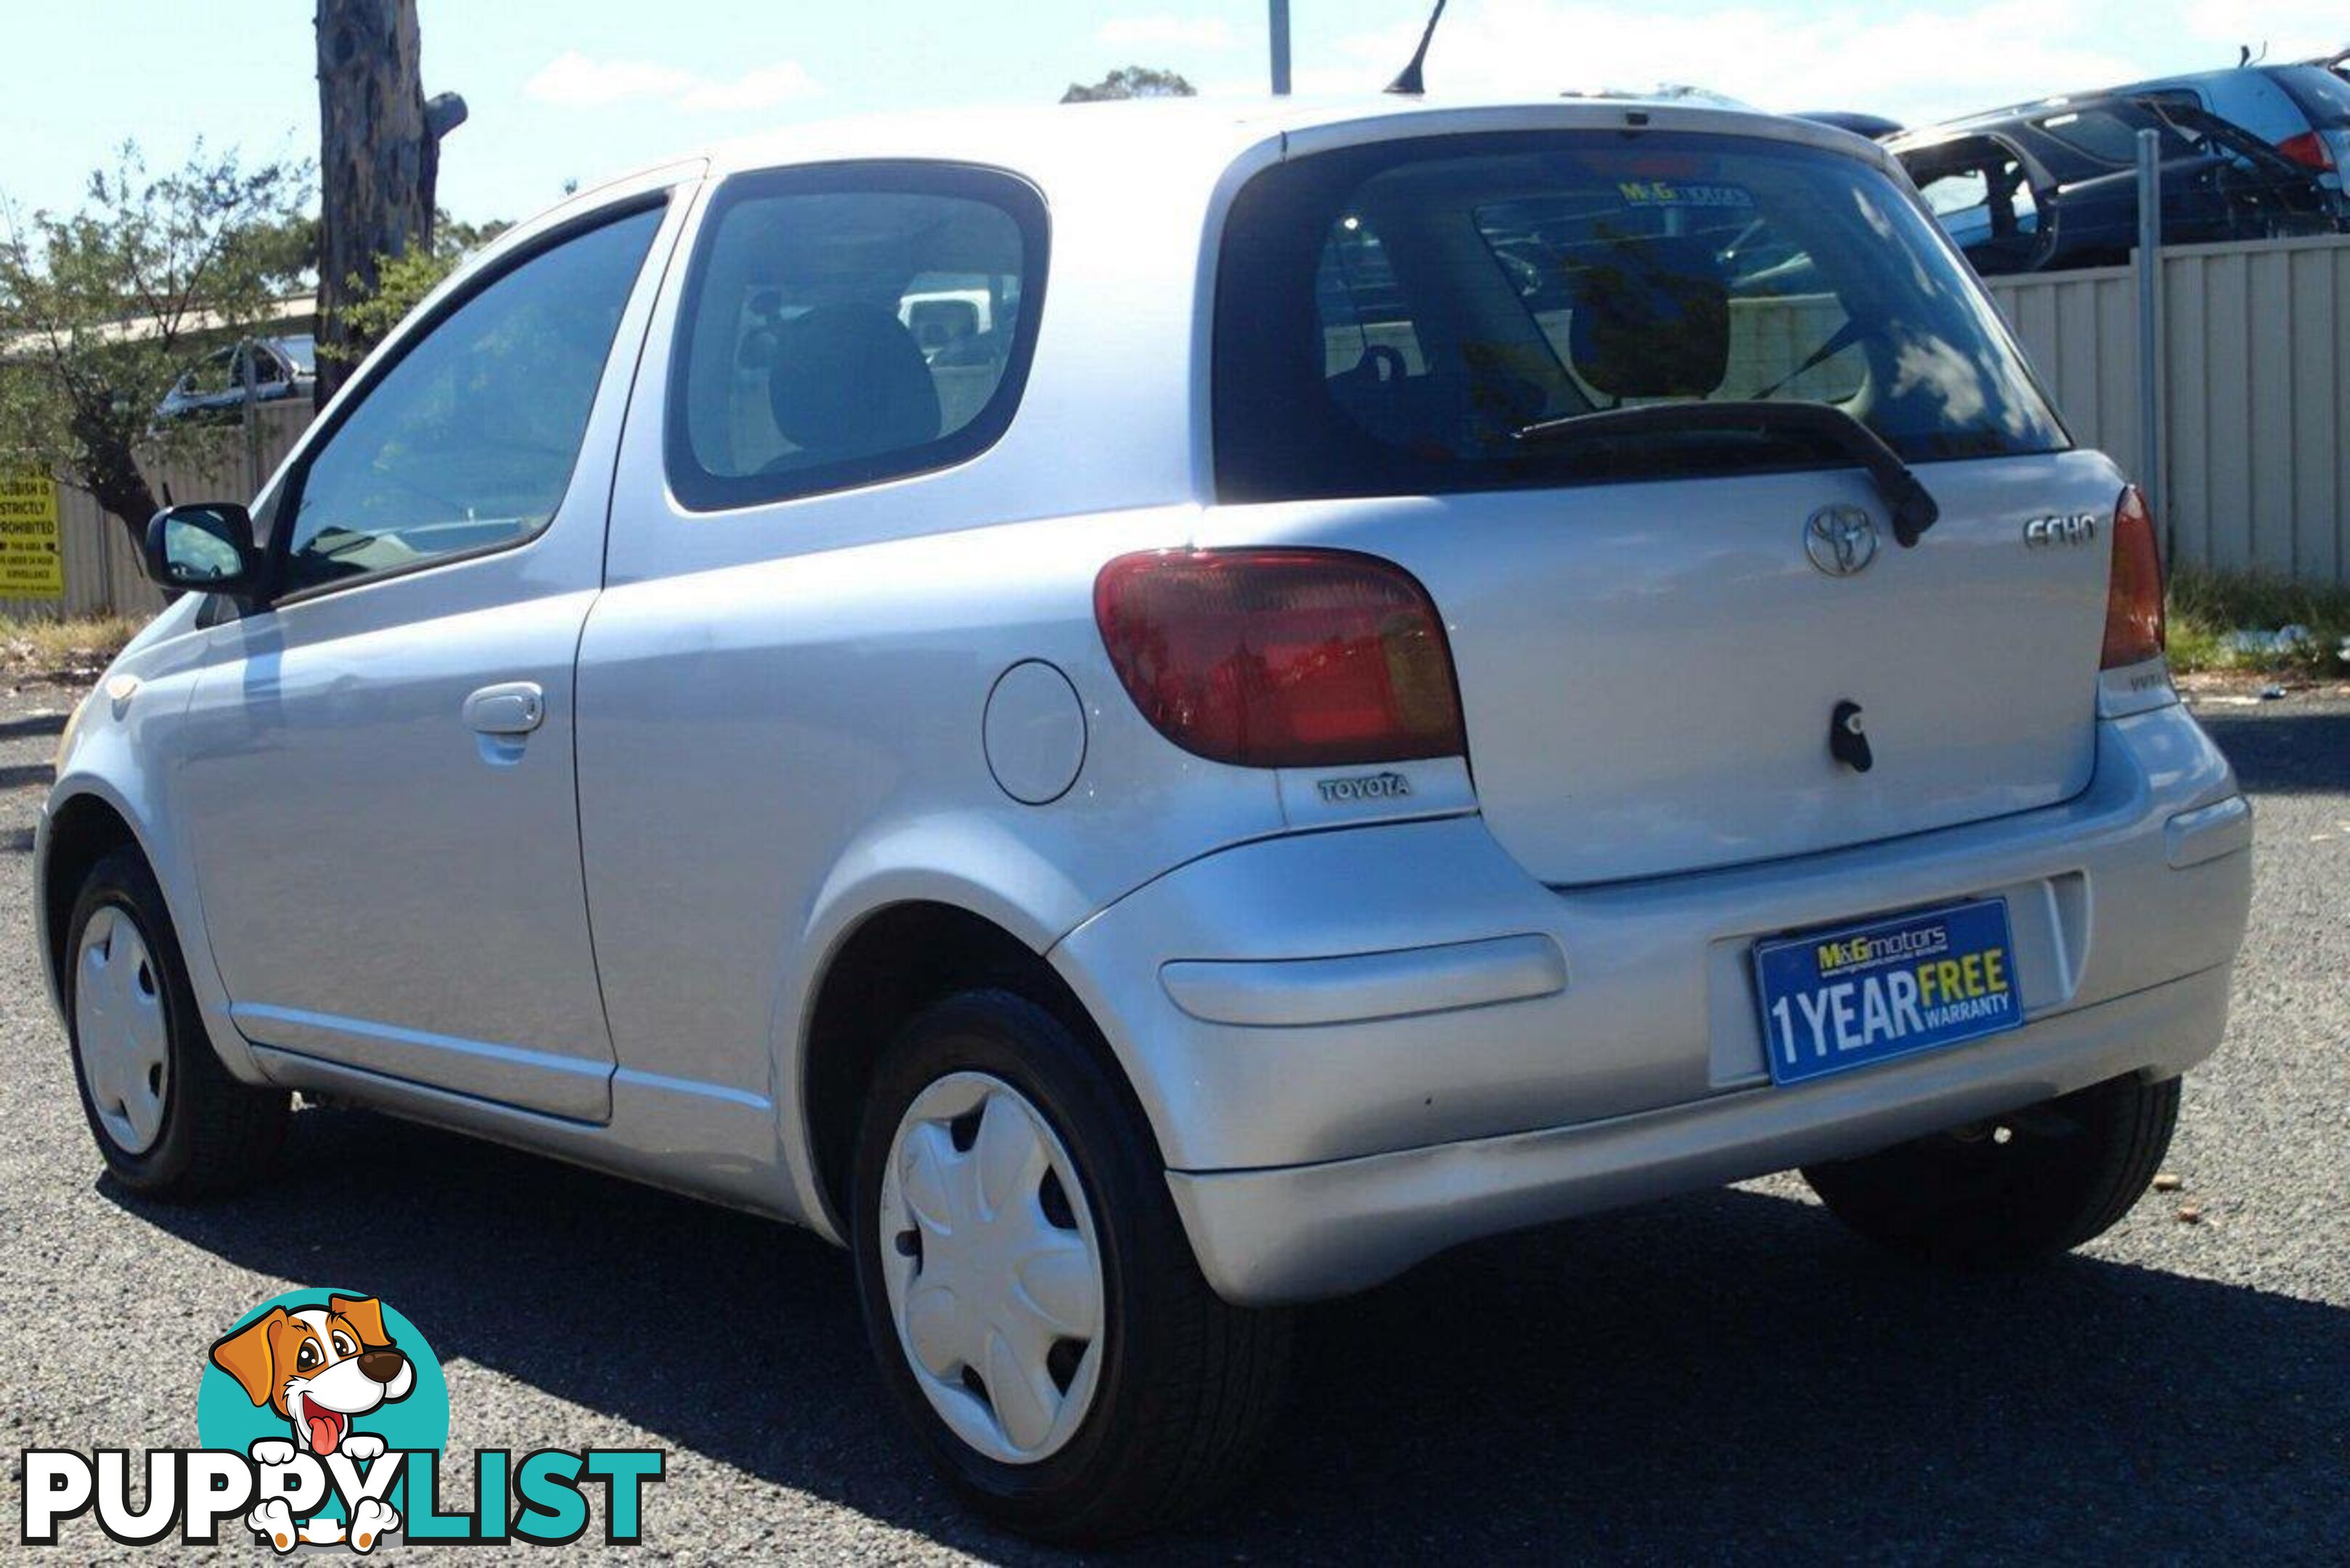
(516, 708)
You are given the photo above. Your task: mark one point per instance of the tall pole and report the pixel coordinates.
(1280, 30)
(249, 389)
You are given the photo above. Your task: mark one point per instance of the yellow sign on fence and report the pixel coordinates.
(32, 555)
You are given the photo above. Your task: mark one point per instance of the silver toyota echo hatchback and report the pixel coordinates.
(1145, 714)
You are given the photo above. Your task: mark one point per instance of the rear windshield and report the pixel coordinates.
(1390, 318)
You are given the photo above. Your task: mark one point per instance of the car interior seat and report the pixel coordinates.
(850, 381)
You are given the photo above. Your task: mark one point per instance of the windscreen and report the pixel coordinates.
(1395, 319)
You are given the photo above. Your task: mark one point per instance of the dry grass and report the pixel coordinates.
(44, 650)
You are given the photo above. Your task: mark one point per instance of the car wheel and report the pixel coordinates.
(169, 1120)
(2013, 1189)
(1028, 1289)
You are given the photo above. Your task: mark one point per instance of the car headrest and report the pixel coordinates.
(850, 381)
(1652, 319)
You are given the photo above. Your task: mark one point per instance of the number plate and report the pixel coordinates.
(1843, 998)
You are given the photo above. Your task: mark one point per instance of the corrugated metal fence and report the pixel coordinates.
(2256, 402)
(2256, 393)
(102, 572)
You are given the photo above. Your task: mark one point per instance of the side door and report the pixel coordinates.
(1987, 197)
(728, 677)
(380, 773)
(271, 379)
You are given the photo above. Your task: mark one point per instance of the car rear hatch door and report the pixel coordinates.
(1648, 672)
(1655, 628)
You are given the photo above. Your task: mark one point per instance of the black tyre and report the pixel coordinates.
(168, 1118)
(1028, 1289)
(2012, 1191)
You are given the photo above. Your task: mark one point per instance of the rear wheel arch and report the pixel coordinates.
(893, 964)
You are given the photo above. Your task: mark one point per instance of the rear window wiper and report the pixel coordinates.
(1913, 510)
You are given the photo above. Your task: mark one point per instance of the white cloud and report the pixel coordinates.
(571, 79)
(2271, 31)
(761, 89)
(575, 81)
(1161, 31)
(1916, 64)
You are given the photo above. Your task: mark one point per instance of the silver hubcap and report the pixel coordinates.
(119, 1030)
(993, 1274)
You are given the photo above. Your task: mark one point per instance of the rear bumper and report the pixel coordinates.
(1358, 1046)
(1304, 1232)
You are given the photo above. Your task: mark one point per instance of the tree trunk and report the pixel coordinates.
(378, 160)
(110, 474)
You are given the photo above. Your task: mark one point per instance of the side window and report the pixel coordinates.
(2172, 100)
(850, 323)
(2100, 133)
(214, 374)
(468, 441)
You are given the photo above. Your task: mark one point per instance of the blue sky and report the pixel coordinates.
(586, 89)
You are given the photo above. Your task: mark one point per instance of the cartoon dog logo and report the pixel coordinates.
(319, 1368)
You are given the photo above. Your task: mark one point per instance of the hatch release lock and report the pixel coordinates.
(1847, 740)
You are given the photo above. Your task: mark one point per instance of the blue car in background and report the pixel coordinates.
(214, 385)
(2053, 184)
(2302, 109)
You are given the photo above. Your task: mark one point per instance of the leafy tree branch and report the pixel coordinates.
(101, 309)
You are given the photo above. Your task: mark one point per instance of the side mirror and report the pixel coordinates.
(206, 548)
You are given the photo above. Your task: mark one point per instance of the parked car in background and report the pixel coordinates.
(2303, 111)
(1875, 127)
(1332, 730)
(282, 367)
(2053, 184)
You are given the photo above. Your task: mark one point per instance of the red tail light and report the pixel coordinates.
(2309, 151)
(2133, 629)
(1277, 658)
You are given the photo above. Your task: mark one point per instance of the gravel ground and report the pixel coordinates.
(1726, 1377)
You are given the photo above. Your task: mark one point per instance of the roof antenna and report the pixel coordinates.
(1409, 81)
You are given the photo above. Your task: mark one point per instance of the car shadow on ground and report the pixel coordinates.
(49, 721)
(2303, 752)
(1727, 1375)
